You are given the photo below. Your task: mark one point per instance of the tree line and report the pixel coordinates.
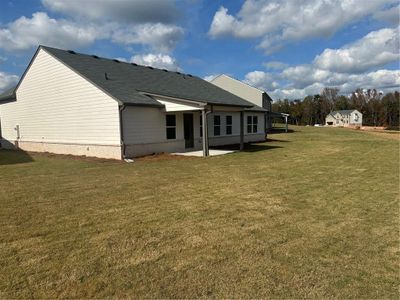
(378, 109)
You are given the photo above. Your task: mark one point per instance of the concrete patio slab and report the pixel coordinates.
(212, 152)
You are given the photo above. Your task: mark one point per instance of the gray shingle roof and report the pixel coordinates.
(126, 81)
(342, 112)
(256, 108)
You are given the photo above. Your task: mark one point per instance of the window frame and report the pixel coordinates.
(228, 125)
(217, 126)
(170, 126)
(252, 126)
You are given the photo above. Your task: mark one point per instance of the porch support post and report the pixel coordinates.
(241, 130)
(204, 132)
(286, 125)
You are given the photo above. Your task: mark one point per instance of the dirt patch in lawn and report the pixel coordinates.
(380, 131)
(163, 156)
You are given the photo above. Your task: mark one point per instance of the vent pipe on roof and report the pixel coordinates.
(106, 76)
(72, 52)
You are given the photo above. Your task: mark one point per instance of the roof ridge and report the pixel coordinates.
(117, 60)
(240, 81)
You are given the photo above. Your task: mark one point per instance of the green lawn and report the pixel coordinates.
(312, 213)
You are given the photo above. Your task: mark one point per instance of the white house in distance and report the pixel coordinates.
(70, 103)
(344, 118)
(247, 92)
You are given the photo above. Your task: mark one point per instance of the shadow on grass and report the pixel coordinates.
(255, 147)
(277, 141)
(393, 128)
(259, 147)
(281, 130)
(12, 157)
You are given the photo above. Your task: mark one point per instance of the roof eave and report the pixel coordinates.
(8, 99)
(142, 104)
(234, 105)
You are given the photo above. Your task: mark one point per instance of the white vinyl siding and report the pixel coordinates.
(235, 123)
(356, 118)
(56, 105)
(148, 125)
(239, 89)
(145, 130)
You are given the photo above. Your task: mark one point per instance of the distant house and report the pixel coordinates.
(344, 118)
(254, 95)
(71, 103)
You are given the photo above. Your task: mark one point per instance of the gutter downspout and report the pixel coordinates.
(286, 124)
(121, 131)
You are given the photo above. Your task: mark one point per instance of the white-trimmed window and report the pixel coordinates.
(217, 125)
(252, 124)
(170, 122)
(228, 128)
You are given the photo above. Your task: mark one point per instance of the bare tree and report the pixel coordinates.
(330, 95)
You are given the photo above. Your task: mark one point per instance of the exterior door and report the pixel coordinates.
(188, 131)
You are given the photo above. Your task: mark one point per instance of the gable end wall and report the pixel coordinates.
(59, 111)
(239, 89)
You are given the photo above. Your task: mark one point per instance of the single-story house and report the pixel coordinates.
(71, 103)
(350, 117)
(252, 94)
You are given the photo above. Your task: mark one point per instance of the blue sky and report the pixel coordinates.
(288, 48)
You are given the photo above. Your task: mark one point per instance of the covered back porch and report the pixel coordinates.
(226, 127)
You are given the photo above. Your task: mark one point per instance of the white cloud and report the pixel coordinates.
(381, 80)
(130, 11)
(391, 15)
(127, 22)
(279, 22)
(262, 80)
(160, 37)
(7, 81)
(304, 75)
(25, 33)
(161, 61)
(277, 65)
(222, 23)
(346, 68)
(298, 88)
(375, 49)
(210, 77)
(293, 93)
